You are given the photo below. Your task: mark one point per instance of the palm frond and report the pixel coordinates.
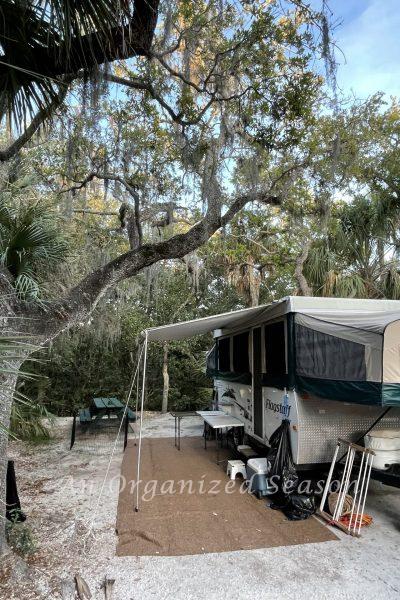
(31, 246)
(350, 286)
(44, 41)
(391, 283)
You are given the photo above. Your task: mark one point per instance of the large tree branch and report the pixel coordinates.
(304, 288)
(83, 298)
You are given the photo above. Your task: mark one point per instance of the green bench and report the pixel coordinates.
(131, 415)
(85, 416)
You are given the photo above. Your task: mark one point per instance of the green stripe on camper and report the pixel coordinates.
(391, 394)
(359, 392)
(276, 381)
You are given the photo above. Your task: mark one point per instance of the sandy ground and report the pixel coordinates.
(59, 491)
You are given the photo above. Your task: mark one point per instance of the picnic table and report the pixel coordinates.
(106, 412)
(106, 407)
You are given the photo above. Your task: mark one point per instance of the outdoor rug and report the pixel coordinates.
(188, 506)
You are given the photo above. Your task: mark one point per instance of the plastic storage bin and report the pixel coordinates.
(257, 470)
(386, 445)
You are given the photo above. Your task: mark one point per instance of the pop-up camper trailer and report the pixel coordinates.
(329, 365)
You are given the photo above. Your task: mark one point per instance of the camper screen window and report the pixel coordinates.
(241, 353)
(326, 356)
(224, 354)
(275, 350)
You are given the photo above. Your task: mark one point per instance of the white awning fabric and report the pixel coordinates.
(365, 315)
(185, 329)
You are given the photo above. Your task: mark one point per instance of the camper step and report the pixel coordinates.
(246, 451)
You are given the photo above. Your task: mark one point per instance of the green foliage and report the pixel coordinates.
(20, 536)
(358, 257)
(236, 107)
(31, 244)
(28, 422)
(56, 25)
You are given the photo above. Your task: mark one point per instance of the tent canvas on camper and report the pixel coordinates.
(340, 349)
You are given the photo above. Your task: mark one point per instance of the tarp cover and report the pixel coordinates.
(204, 517)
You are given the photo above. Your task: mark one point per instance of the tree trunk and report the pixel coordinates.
(165, 373)
(7, 386)
(303, 287)
(254, 283)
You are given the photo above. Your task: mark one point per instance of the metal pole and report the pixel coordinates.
(126, 429)
(175, 431)
(73, 432)
(368, 468)
(356, 491)
(137, 393)
(141, 422)
(341, 486)
(340, 504)
(328, 481)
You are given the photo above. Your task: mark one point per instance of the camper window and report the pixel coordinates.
(241, 353)
(275, 349)
(326, 356)
(224, 354)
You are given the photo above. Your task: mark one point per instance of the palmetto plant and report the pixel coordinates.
(13, 349)
(359, 256)
(44, 44)
(30, 244)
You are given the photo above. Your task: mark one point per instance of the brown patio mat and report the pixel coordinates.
(204, 518)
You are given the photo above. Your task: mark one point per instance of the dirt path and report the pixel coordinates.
(59, 491)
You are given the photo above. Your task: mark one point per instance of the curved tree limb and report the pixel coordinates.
(141, 84)
(83, 298)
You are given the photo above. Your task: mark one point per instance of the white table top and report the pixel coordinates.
(219, 421)
(211, 413)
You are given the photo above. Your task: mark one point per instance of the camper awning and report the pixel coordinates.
(185, 329)
(344, 349)
(366, 315)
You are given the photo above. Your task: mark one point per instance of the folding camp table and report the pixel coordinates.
(178, 416)
(218, 420)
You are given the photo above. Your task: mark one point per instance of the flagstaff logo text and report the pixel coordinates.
(279, 408)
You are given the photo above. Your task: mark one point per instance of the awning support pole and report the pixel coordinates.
(141, 423)
(139, 353)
